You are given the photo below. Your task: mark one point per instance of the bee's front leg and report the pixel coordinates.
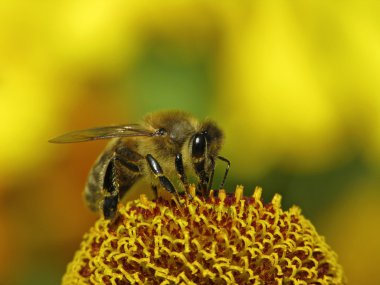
(181, 173)
(111, 188)
(158, 173)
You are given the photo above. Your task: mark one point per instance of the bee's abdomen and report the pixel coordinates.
(127, 164)
(93, 192)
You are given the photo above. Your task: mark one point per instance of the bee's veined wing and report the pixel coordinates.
(131, 130)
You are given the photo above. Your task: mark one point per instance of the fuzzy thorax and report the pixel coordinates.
(230, 239)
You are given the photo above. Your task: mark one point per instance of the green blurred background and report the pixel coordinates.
(294, 84)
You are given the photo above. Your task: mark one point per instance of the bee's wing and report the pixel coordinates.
(132, 130)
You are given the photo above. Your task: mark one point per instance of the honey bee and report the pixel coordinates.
(164, 146)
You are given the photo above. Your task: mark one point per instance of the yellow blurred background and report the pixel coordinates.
(294, 84)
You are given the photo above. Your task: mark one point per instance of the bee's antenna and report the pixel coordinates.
(226, 172)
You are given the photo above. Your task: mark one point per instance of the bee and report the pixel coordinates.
(165, 146)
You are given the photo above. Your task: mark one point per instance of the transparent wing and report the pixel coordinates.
(131, 130)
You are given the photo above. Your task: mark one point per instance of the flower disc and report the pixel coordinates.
(230, 239)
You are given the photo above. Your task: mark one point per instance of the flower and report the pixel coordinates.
(229, 239)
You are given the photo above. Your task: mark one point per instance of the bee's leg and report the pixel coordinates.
(158, 173)
(226, 171)
(111, 188)
(216, 191)
(181, 173)
(202, 187)
(211, 179)
(155, 191)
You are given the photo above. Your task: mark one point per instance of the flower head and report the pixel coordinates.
(230, 239)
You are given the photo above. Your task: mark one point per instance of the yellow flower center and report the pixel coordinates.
(230, 239)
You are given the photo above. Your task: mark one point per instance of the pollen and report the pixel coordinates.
(226, 239)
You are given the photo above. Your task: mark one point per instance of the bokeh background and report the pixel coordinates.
(294, 84)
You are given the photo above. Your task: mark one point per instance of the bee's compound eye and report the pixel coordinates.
(199, 145)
